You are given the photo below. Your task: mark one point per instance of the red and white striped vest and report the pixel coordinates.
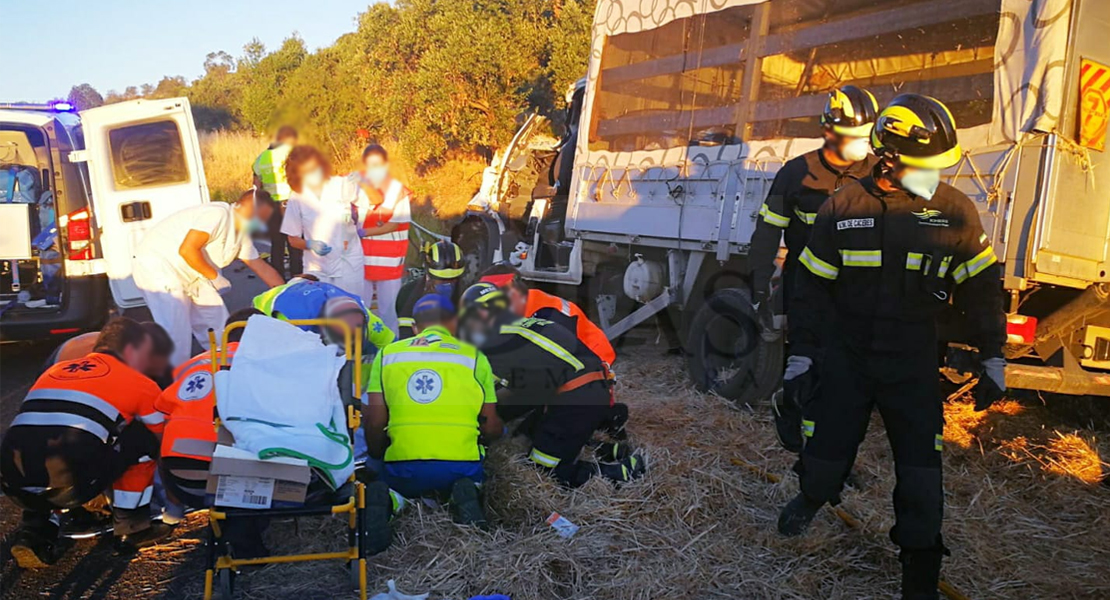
(384, 255)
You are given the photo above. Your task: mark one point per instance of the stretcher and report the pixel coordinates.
(348, 501)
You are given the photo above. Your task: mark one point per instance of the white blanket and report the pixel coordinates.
(280, 398)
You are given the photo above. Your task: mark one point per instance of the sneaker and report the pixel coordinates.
(788, 421)
(797, 515)
(36, 550)
(466, 505)
(378, 512)
(151, 536)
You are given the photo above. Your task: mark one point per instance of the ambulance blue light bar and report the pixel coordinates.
(56, 106)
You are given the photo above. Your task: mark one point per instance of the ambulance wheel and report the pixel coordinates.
(227, 583)
(725, 353)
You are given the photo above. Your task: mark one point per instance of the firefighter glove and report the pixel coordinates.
(992, 383)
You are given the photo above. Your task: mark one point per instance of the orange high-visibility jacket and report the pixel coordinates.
(188, 405)
(589, 334)
(102, 394)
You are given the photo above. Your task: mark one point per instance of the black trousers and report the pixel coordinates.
(278, 245)
(904, 387)
(185, 479)
(560, 430)
(43, 469)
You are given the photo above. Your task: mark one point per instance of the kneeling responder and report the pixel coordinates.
(189, 438)
(158, 367)
(431, 406)
(88, 426)
(544, 371)
(526, 302)
(800, 188)
(885, 256)
(442, 272)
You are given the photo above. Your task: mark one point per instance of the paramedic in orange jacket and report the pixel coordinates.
(87, 426)
(527, 302)
(189, 439)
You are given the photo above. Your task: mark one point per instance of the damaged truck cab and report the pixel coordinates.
(687, 113)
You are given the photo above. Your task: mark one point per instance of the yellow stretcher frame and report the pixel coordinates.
(223, 566)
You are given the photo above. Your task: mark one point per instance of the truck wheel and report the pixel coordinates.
(725, 353)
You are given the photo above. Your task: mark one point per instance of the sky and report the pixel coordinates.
(52, 45)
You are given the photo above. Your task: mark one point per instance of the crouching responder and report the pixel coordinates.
(885, 256)
(526, 302)
(189, 437)
(442, 273)
(544, 371)
(800, 188)
(431, 406)
(88, 426)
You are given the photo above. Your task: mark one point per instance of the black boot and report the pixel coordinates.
(466, 505)
(379, 511)
(921, 573)
(39, 547)
(144, 538)
(797, 515)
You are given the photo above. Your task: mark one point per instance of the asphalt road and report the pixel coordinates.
(90, 570)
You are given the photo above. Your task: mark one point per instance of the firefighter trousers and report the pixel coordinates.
(58, 467)
(904, 387)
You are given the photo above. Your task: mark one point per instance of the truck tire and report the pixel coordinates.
(725, 353)
(472, 239)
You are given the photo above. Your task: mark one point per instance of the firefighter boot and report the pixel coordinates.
(797, 515)
(36, 548)
(466, 504)
(921, 573)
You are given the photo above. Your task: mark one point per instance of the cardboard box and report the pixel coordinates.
(239, 479)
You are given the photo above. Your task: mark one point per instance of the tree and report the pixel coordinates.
(84, 96)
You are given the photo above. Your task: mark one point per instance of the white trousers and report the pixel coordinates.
(350, 283)
(182, 315)
(387, 291)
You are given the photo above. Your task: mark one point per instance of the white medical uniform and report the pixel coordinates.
(180, 299)
(327, 218)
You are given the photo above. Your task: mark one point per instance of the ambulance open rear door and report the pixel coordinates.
(144, 165)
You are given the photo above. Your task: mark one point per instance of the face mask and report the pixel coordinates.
(314, 178)
(377, 175)
(921, 182)
(255, 225)
(476, 338)
(856, 150)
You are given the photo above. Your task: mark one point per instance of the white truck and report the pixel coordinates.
(690, 107)
(79, 192)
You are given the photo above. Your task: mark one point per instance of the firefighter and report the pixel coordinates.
(428, 401)
(527, 302)
(886, 255)
(800, 188)
(559, 383)
(443, 271)
(87, 426)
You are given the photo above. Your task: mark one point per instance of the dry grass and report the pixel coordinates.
(440, 193)
(1021, 523)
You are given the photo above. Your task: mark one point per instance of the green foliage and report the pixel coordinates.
(84, 96)
(438, 77)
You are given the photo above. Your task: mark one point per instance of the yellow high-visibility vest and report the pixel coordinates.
(270, 168)
(434, 387)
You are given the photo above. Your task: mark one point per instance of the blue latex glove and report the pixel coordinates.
(318, 247)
